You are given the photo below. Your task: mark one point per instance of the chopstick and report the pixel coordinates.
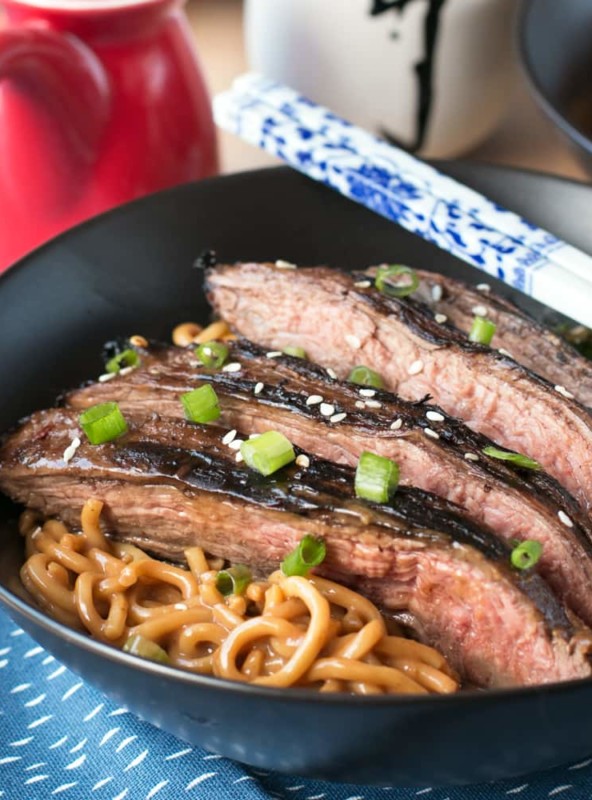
(319, 120)
(407, 191)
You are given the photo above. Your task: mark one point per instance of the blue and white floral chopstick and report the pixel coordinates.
(409, 192)
(319, 120)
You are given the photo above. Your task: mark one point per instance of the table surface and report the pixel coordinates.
(525, 138)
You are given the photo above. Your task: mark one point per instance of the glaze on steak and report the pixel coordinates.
(341, 324)
(530, 343)
(168, 485)
(514, 503)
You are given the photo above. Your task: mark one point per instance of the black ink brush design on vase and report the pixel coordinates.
(424, 68)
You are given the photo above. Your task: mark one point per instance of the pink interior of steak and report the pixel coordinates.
(541, 350)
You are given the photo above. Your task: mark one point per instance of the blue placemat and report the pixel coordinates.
(61, 738)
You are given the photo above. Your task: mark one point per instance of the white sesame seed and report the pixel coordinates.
(367, 392)
(338, 417)
(71, 449)
(126, 370)
(363, 284)
(503, 352)
(108, 376)
(313, 399)
(565, 519)
(331, 373)
(327, 410)
(436, 292)
(228, 437)
(353, 341)
(303, 461)
(434, 416)
(396, 424)
(563, 391)
(432, 434)
(483, 287)
(471, 457)
(258, 388)
(138, 341)
(273, 354)
(415, 368)
(235, 444)
(238, 457)
(281, 264)
(360, 404)
(181, 606)
(373, 404)
(479, 311)
(254, 435)
(441, 318)
(234, 366)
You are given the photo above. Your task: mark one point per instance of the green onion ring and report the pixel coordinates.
(309, 553)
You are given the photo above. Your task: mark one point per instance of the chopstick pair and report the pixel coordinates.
(408, 191)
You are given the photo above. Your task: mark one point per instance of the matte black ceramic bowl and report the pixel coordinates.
(555, 45)
(131, 272)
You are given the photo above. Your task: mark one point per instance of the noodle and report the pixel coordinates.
(286, 631)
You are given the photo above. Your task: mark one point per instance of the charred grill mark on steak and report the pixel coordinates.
(168, 485)
(516, 503)
(316, 308)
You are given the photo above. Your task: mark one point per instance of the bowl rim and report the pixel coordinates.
(529, 70)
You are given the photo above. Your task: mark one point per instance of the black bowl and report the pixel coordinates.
(556, 54)
(130, 271)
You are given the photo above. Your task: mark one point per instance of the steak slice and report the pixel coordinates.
(514, 503)
(341, 320)
(530, 343)
(168, 485)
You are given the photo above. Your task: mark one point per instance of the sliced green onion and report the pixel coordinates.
(103, 423)
(233, 580)
(578, 336)
(387, 283)
(298, 352)
(482, 331)
(376, 478)
(127, 358)
(145, 648)
(201, 405)
(526, 554)
(268, 452)
(514, 458)
(364, 376)
(212, 354)
(309, 553)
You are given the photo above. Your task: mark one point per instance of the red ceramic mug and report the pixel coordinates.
(101, 101)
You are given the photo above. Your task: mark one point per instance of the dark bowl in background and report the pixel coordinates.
(555, 38)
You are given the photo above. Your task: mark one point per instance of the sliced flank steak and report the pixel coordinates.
(527, 341)
(338, 421)
(342, 320)
(168, 485)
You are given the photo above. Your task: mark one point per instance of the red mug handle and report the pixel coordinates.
(62, 70)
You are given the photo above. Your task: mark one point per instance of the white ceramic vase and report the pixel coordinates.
(433, 75)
